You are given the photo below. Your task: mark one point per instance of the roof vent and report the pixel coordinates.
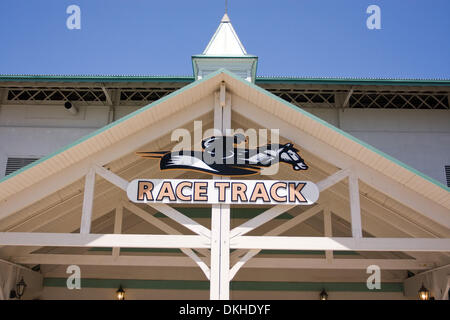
(447, 175)
(14, 164)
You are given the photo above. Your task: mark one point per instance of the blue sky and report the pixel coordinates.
(321, 38)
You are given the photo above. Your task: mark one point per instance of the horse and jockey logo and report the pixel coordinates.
(221, 156)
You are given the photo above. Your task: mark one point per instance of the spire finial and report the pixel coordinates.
(226, 6)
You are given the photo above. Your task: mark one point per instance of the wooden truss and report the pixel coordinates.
(210, 248)
(304, 96)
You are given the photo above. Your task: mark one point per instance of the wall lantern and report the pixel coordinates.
(424, 294)
(323, 295)
(20, 289)
(120, 293)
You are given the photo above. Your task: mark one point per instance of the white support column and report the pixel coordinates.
(10, 281)
(88, 202)
(220, 260)
(117, 227)
(220, 214)
(328, 232)
(224, 293)
(355, 207)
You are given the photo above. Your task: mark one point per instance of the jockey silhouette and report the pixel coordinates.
(221, 156)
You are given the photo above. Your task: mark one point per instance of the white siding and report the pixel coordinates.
(419, 138)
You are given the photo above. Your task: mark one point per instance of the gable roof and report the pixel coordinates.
(170, 104)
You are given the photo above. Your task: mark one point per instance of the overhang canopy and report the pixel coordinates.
(364, 155)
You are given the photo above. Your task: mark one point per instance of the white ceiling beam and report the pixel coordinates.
(118, 219)
(263, 263)
(341, 243)
(347, 98)
(333, 179)
(107, 95)
(355, 206)
(328, 232)
(88, 201)
(102, 240)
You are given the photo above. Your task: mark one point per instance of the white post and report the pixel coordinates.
(117, 227)
(220, 215)
(88, 202)
(10, 281)
(328, 232)
(355, 207)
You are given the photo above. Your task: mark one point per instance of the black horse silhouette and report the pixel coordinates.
(220, 156)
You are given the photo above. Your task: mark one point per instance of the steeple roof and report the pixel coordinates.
(225, 41)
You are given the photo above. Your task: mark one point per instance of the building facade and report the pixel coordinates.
(378, 150)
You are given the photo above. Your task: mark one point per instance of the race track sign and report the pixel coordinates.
(223, 191)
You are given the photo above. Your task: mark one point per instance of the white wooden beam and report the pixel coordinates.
(343, 264)
(107, 95)
(2, 282)
(118, 219)
(341, 243)
(222, 94)
(264, 263)
(328, 232)
(226, 111)
(113, 178)
(347, 98)
(10, 281)
(88, 201)
(220, 214)
(355, 206)
(217, 113)
(102, 240)
(333, 179)
(220, 253)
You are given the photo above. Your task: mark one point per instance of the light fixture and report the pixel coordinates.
(323, 295)
(20, 289)
(424, 294)
(120, 293)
